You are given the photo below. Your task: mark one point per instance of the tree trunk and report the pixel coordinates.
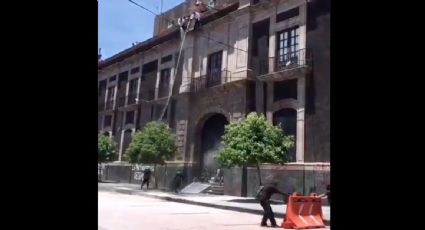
(258, 173)
(99, 172)
(156, 176)
(244, 184)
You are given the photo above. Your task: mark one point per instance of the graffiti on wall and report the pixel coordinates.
(138, 170)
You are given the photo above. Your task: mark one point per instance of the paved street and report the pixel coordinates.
(127, 212)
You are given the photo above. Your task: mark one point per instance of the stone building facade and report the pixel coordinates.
(268, 56)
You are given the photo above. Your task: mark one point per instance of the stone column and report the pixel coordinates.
(158, 76)
(187, 63)
(300, 119)
(270, 91)
(122, 136)
(272, 43)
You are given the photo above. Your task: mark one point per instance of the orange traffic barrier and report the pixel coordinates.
(303, 212)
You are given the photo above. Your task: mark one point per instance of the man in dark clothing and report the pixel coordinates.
(178, 179)
(265, 194)
(146, 177)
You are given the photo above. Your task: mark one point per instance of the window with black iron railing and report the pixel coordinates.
(209, 81)
(289, 54)
(214, 71)
(293, 59)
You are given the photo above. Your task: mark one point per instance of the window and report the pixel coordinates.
(288, 14)
(102, 88)
(133, 86)
(122, 79)
(166, 58)
(288, 46)
(150, 67)
(164, 83)
(214, 69)
(113, 78)
(285, 89)
(287, 119)
(132, 92)
(111, 93)
(129, 117)
(135, 70)
(107, 121)
(110, 100)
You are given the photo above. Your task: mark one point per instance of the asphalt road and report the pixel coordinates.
(126, 212)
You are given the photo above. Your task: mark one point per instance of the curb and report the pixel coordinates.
(181, 200)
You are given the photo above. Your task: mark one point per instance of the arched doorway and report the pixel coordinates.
(287, 118)
(210, 142)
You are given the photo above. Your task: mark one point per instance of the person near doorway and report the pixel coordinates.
(267, 191)
(146, 178)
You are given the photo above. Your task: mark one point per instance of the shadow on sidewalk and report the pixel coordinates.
(252, 201)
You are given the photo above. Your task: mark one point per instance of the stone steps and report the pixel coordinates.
(215, 189)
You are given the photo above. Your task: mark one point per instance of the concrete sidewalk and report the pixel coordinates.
(241, 204)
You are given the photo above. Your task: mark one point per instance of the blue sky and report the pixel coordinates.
(121, 23)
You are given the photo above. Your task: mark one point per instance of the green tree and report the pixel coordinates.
(153, 145)
(106, 149)
(253, 141)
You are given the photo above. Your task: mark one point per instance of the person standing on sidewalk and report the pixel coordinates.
(146, 178)
(267, 191)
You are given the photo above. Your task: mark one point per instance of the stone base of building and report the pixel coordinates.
(304, 178)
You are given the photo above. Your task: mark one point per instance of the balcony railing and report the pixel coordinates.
(260, 65)
(291, 60)
(210, 80)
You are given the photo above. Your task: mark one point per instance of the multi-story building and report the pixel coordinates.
(268, 56)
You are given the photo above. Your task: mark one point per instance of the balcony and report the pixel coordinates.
(210, 80)
(109, 104)
(288, 66)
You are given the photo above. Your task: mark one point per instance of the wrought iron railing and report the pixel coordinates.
(290, 60)
(210, 80)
